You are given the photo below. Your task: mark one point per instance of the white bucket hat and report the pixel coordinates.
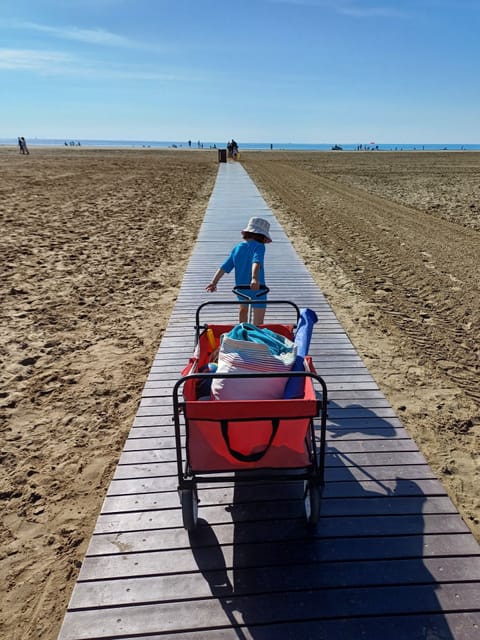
(259, 225)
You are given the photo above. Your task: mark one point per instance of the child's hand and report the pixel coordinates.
(211, 287)
(254, 284)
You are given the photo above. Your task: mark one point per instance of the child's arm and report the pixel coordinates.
(213, 284)
(255, 284)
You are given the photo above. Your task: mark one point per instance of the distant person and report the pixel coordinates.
(24, 146)
(20, 145)
(247, 259)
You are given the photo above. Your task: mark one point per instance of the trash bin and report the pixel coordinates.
(222, 155)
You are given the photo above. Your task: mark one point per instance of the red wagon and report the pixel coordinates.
(247, 440)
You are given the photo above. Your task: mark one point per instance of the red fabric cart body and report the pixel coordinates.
(224, 436)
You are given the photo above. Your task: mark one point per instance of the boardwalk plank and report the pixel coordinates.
(449, 626)
(260, 580)
(289, 539)
(274, 608)
(332, 474)
(427, 487)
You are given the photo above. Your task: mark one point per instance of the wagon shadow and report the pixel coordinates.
(349, 576)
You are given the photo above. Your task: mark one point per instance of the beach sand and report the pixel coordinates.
(94, 244)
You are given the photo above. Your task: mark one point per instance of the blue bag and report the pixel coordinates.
(303, 335)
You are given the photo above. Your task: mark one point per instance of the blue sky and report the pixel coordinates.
(308, 71)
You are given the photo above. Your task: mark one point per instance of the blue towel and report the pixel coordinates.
(277, 344)
(303, 335)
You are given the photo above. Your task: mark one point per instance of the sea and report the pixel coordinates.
(277, 146)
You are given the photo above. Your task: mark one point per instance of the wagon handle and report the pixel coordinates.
(237, 290)
(199, 326)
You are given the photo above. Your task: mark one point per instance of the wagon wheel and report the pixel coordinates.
(311, 501)
(189, 502)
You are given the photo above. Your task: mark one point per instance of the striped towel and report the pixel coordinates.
(242, 356)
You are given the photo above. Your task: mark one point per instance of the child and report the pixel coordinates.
(247, 259)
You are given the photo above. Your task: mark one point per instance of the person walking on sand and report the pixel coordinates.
(24, 146)
(247, 259)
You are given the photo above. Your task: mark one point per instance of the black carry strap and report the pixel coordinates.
(252, 457)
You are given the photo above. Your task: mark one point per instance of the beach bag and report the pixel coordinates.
(248, 349)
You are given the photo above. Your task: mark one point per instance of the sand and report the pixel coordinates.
(94, 244)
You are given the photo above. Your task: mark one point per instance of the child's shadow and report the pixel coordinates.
(375, 422)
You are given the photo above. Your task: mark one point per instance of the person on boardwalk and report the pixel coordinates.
(247, 259)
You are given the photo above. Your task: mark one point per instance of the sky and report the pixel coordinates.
(292, 71)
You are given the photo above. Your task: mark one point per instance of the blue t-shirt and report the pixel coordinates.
(243, 255)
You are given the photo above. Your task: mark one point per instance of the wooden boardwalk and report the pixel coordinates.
(389, 559)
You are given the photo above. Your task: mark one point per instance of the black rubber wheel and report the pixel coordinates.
(189, 502)
(311, 502)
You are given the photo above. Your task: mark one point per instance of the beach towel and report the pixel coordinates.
(248, 349)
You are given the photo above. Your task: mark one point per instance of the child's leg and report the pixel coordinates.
(243, 313)
(258, 315)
